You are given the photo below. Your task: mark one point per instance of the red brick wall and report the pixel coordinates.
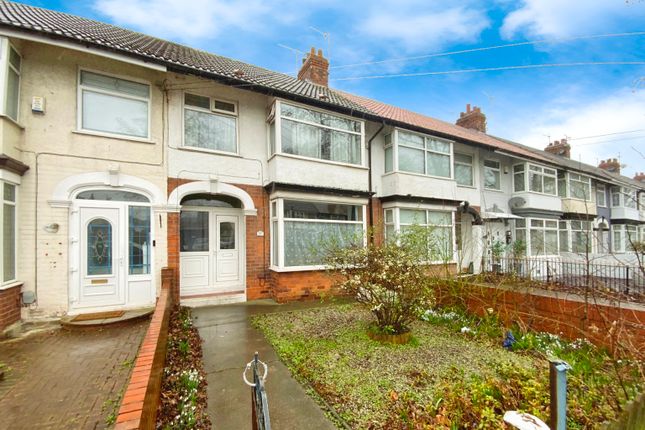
(9, 306)
(558, 315)
(304, 285)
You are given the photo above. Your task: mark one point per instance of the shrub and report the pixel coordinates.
(390, 279)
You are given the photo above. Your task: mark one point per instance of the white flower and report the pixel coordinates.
(466, 330)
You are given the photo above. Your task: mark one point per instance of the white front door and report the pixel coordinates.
(212, 252)
(101, 257)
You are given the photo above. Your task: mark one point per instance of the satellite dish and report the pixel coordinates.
(517, 202)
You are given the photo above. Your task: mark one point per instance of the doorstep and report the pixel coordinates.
(202, 300)
(128, 316)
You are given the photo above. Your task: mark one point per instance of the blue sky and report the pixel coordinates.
(528, 105)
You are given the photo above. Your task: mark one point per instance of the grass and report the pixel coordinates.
(444, 378)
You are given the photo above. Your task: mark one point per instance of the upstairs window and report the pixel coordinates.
(519, 177)
(314, 134)
(600, 196)
(623, 197)
(113, 105)
(492, 175)
(579, 187)
(464, 169)
(12, 98)
(210, 123)
(542, 180)
(423, 154)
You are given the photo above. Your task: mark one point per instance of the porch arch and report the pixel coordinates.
(211, 187)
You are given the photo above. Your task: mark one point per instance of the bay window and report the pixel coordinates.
(113, 105)
(623, 197)
(315, 134)
(579, 186)
(8, 233)
(580, 236)
(623, 237)
(300, 229)
(210, 123)
(421, 154)
(439, 224)
(464, 169)
(540, 235)
(492, 175)
(542, 180)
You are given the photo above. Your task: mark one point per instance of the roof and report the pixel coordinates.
(181, 58)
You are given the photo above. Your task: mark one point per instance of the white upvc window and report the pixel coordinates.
(113, 106)
(623, 237)
(492, 175)
(623, 197)
(423, 154)
(464, 169)
(301, 228)
(210, 123)
(542, 180)
(11, 70)
(440, 224)
(302, 131)
(519, 177)
(8, 232)
(575, 236)
(579, 186)
(601, 199)
(540, 235)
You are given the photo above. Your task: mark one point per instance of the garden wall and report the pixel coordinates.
(9, 306)
(564, 314)
(141, 398)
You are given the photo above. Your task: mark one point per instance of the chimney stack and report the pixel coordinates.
(611, 165)
(473, 119)
(315, 68)
(640, 177)
(559, 147)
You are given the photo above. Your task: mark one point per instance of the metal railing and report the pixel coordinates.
(259, 401)
(619, 277)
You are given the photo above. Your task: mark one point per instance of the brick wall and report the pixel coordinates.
(9, 306)
(303, 285)
(565, 315)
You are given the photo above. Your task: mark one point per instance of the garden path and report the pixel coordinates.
(229, 343)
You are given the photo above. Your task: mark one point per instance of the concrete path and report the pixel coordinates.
(229, 343)
(67, 379)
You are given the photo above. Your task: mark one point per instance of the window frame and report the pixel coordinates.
(5, 84)
(528, 226)
(621, 231)
(498, 169)
(13, 203)
(471, 165)
(79, 104)
(276, 214)
(580, 181)
(274, 119)
(395, 210)
(212, 111)
(395, 153)
(604, 195)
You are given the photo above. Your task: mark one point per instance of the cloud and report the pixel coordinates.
(416, 28)
(558, 18)
(185, 20)
(624, 110)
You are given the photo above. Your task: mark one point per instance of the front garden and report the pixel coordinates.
(453, 374)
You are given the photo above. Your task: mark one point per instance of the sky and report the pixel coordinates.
(599, 107)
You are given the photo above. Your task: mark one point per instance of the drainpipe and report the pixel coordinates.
(369, 178)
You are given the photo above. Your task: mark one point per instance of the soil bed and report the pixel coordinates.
(183, 388)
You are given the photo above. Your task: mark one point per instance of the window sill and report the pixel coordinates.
(555, 196)
(318, 160)
(298, 269)
(208, 151)
(420, 175)
(496, 191)
(114, 136)
(467, 186)
(11, 284)
(12, 121)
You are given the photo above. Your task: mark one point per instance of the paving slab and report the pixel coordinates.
(229, 343)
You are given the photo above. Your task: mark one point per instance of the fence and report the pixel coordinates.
(621, 278)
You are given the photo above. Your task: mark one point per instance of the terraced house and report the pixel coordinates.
(123, 154)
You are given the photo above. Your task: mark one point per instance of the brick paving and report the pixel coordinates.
(67, 379)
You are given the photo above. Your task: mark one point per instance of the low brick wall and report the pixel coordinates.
(9, 306)
(559, 313)
(141, 398)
